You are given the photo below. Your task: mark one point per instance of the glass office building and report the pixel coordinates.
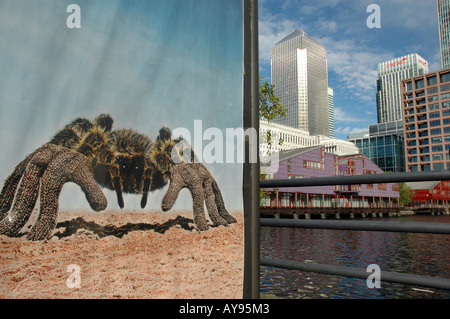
(300, 76)
(390, 75)
(443, 10)
(331, 111)
(384, 145)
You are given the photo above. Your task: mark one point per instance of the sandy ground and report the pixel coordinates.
(125, 255)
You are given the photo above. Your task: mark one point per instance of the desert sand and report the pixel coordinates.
(125, 255)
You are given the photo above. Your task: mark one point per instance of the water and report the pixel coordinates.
(421, 254)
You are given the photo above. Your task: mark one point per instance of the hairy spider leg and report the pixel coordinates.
(27, 192)
(66, 166)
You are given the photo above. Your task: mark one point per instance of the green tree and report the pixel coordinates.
(406, 194)
(269, 108)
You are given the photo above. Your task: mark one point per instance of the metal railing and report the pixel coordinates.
(410, 227)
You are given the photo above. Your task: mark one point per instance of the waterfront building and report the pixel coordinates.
(296, 138)
(390, 75)
(432, 195)
(299, 74)
(331, 111)
(314, 162)
(384, 145)
(426, 111)
(443, 11)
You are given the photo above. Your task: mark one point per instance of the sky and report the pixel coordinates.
(353, 49)
(147, 63)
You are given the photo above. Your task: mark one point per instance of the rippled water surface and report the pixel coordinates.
(421, 254)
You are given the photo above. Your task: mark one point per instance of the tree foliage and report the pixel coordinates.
(269, 104)
(269, 108)
(406, 194)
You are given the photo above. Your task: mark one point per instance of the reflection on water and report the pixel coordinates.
(421, 254)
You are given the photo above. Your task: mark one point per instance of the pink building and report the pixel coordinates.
(314, 162)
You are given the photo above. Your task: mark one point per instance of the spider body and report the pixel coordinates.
(92, 154)
(123, 160)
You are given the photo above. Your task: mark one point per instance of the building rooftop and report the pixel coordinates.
(422, 185)
(294, 34)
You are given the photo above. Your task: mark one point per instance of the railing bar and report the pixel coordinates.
(394, 277)
(358, 179)
(366, 225)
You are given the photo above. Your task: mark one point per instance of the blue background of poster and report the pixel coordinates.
(147, 63)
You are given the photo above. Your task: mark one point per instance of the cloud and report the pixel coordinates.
(272, 28)
(350, 130)
(340, 115)
(353, 50)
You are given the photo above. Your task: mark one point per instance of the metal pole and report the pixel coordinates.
(251, 171)
(366, 225)
(409, 279)
(358, 179)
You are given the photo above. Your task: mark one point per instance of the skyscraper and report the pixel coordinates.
(300, 77)
(443, 10)
(426, 110)
(390, 75)
(331, 110)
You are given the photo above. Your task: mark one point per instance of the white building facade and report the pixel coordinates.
(296, 138)
(390, 75)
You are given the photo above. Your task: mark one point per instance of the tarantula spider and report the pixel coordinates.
(92, 154)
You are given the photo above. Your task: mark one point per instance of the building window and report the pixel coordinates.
(435, 114)
(313, 165)
(445, 77)
(432, 80)
(436, 140)
(382, 187)
(435, 131)
(438, 166)
(437, 148)
(445, 96)
(408, 86)
(432, 90)
(433, 98)
(435, 123)
(421, 101)
(420, 84)
(433, 107)
(445, 87)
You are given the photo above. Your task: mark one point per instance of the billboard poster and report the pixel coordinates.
(121, 137)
